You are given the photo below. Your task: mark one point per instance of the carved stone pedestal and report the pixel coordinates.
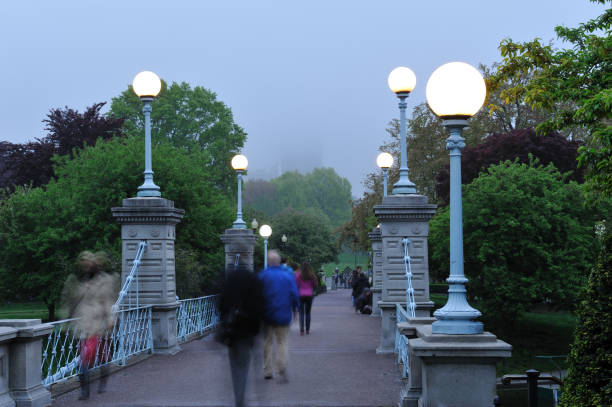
(239, 242)
(152, 220)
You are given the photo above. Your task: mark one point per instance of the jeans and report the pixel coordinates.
(305, 307)
(240, 358)
(282, 348)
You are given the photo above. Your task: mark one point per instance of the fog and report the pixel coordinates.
(306, 80)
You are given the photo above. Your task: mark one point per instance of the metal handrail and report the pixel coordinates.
(132, 276)
(410, 300)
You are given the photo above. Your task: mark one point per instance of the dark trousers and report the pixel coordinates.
(240, 358)
(305, 307)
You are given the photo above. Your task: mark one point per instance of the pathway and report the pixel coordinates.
(335, 366)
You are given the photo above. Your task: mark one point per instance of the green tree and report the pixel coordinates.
(528, 238)
(573, 83)
(43, 230)
(192, 118)
(589, 378)
(309, 238)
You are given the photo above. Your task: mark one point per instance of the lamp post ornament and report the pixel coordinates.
(265, 231)
(384, 161)
(239, 163)
(455, 92)
(147, 86)
(402, 81)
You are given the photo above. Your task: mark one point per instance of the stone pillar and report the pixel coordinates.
(457, 370)
(239, 241)
(22, 363)
(377, 262)
(153, 220)
(403, 216)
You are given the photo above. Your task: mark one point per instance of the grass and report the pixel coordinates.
(347, 259)
(24, 310)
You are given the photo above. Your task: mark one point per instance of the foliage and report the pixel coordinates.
(528, 238)
(191, 118)
(518, 144)
(580, 75)
(589, 380)
(42, 230)
(31, 164)
(309, 238)
(322, 193)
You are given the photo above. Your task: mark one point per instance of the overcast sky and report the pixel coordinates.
(306, 80)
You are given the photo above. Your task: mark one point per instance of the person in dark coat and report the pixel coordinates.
(364, 302)
(241, 309)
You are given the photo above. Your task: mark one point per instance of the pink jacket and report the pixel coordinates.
(305, 287)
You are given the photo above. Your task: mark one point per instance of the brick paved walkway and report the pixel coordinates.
(335, 366)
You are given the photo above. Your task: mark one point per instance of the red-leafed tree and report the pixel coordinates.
(67, 129)
(552, 148)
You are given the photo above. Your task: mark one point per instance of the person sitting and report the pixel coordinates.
(364, 302)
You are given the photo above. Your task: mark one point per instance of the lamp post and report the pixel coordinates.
(254, 225)
(455, 92)
(384, 161)
(402, 81)
(284, 241)
(265, 231)
(147, 86)
(239, 163)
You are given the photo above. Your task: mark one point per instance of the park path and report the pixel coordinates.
(335, 366)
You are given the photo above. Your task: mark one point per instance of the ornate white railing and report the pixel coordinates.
(131, 334)
(197, 315)
(401, 341)
(131, 278)
(410, 301)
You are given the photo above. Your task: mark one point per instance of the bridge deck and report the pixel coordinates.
(336, 365)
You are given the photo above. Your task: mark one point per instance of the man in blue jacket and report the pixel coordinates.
(280, 301)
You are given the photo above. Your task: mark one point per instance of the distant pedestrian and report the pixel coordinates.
(241, 309)
(364, 302)
(336, 278)
(89, 298)
(280, 299)
(306, 283)
(286, 266)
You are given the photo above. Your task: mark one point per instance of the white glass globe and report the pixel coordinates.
(456, 89)
(401, 79)
(384, 160)
(146, 84)
(240, 162)
(265, 231)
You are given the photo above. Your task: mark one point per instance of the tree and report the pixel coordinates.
(191, 118)
(67, 129)
(309, 238)
(574, 84)
(320, 192)
(518, 144)
(589, 378)
(43, 230)
(528, 238)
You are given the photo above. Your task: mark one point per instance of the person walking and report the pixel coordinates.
(240, 309)
(88, 298)
(280, 298)
(306, 282)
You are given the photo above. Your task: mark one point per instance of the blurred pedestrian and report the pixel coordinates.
(306, 282)
(280, 299)
(364, 302)
(286, 266)
(240, 309)
(89, 298)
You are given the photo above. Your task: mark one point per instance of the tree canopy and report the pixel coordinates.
(43, 230)
(190, 118)
(528, 238)
(30, 163)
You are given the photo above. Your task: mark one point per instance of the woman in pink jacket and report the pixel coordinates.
(306, 283)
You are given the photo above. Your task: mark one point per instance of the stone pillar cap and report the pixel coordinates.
(27, 328)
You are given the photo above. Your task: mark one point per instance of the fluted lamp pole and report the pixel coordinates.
(402, 81)
(265, 231)
(239, 163)
(384, 161)
(455, 92)
(147, 86)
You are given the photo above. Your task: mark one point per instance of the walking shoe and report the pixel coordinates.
(308, 332)
(268, 376)
(283, 377)
(302, 333)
